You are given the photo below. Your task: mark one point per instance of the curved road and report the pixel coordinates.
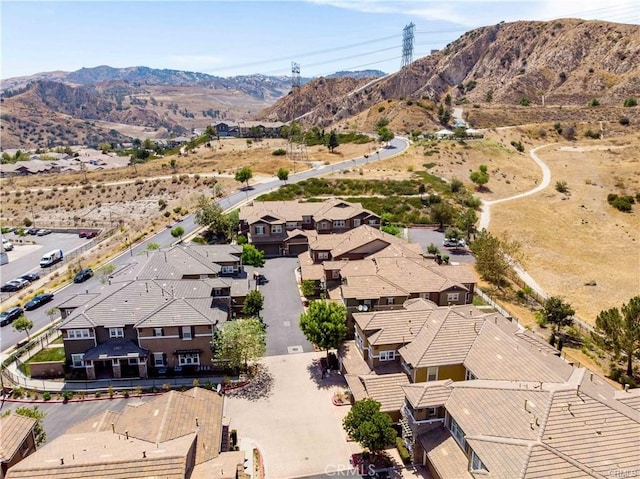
(9, 337)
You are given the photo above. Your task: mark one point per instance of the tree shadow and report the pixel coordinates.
(328, 380)
(260, 386)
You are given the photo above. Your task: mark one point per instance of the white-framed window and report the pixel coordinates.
(359, 342)
(115, 362)
(356, 222)
(335, 274)
(116, 332)
(158, 332)
(432, 411)
(78, 334)
(476, 463)
(451, 297)
(387, 355)
(227, 269)
(133, 361)
(432, 373)
(323, 255)
(292, 224)
(158, 360)
(457, 433)
(276, 229)
(469, 376)
(306, 219)
(339, 223)
(259, 229)
(188, 359)
(373, 222)
(323, 225)
(76, 360)
(186, 332)
(217, 291)
(390, 300)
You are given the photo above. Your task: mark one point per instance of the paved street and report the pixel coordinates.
(282, 308)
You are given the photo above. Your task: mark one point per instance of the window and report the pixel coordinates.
(306, 219)
(293, 224)
(476, 463)
(259, 229)
(186, 332)
(227, 269)
(78, 334)
(451, 297)
(457, 433)
(276, 229)
(432, 411)
(217, 291)
(335, 274)
(432, 374)
(157, 332)
(115, 363)
(390, 300)
(116, 332)
(356, 222)
(387, 355)
(339, 223)
(373, 222)
(359, 342)
(158, 360)
(469, 376)
(323, 255)
(188, 359)
(323, 225)
(133, 361)
(76, 360)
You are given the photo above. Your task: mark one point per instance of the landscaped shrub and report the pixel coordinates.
(46, 395)
(308, 288)
(67, 395)
(402, 450)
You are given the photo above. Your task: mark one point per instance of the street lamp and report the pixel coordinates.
(129, 243)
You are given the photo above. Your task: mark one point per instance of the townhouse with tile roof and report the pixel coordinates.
(455, 379)
(153, 317)
(281, 228)
(17, 440)
(177, 435)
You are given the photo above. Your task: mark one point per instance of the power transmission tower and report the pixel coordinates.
(297, 148)
(407, 45)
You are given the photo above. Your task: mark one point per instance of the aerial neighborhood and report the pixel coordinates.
(426, 274)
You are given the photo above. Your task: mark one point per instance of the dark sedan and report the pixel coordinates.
(38, 301)
(14, 285)
(30, 277)
(10, 315)
(83, 275)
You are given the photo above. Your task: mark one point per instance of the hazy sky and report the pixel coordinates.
(227, 38)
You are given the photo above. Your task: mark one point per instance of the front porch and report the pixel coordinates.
(116, 359)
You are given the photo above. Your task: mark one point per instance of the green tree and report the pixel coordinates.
(333, 142)
(557, 312)
(252, 256)
(308, 288)
(173, 164)
(253, 303)
(218, 224)
(442, 213)
(370, 427)
(239, 342)
(620, 332)
(283, 174)
(480, 177)
(153, 246)
(23, 324)
(494, 256)
(103, 273)
(211, 131)
(324, 323)
(385, 135)
(467, 222)
(177, 232)
(453, 233)
(243, 175)
(52, 312)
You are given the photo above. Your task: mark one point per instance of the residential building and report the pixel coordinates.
(177, 435)
(248, 129)
(281, 228)
(17, 440)
(154, 317)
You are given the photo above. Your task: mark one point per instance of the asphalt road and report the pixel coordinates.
(9, 337)
(426, 236)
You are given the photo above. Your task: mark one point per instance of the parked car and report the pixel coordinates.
(31, 277)
(31, 231)
(454, 243)
(14, 285)
(7, 245)
(38, 300)
(10, 315)
(83, 275)
(43, 232)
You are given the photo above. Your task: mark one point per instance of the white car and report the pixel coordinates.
(7, 245)
(454, 243)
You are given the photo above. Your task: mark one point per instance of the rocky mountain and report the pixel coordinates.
(563, 62)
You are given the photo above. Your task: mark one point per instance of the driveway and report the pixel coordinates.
(282, 308)
(293, 422)
(425, 236)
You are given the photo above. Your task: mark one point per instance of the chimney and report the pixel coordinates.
(62, 461)
(197, 425)
(113, 428)
(126, 433)
(144, 454)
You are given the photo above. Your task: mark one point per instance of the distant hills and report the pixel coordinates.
(508, 66)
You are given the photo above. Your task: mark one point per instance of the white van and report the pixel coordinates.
(51, 258)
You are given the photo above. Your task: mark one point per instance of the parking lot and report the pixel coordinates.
(426, 236)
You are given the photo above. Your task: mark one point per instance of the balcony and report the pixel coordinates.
(412, 421)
